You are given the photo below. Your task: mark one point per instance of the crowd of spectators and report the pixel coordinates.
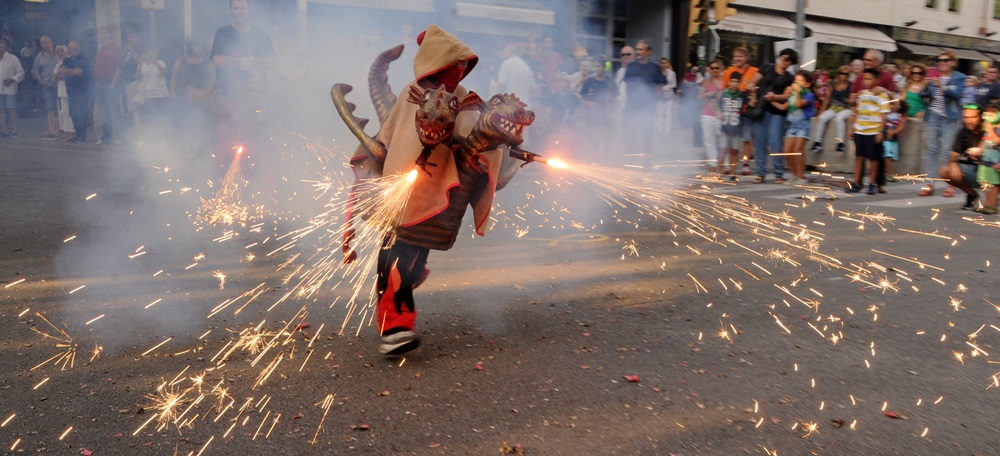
(599, 108)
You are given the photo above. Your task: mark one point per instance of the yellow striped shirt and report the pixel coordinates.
(870, 111)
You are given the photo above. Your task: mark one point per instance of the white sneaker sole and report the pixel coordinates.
(399, 343)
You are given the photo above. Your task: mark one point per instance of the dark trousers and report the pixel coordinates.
(79, 111)
(109, 106)
(401, 268)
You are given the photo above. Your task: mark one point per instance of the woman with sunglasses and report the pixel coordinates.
(709, 96)
(912, 90)
(943, 118)
(836, 106)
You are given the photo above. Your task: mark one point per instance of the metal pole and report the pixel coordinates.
(800, 26)
(187, 20)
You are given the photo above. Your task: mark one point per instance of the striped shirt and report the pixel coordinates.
(870, 111)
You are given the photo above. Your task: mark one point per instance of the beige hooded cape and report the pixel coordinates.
(438, 50)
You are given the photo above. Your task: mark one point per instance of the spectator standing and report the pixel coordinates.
(741, 64)
(710, 95)
(598, 96)
(107, 64)
(30, 95)
(893, 69)
(857, 67)
(669, 104)
(515, 76)
(989, 87)
(152, 75)
(43, 70)
(913, 91)
(836, 107)
(628, 55)
(125, 81)
(769, 86)
(800, 106)
(11, 73)
(867, 132)
(548, 62)
(241, 53)
(989, 160)
(943, 118)
(895, 123)
(77, 72)
(585, 68)
(29, 50)
(643, 79)
(821, 87)
(66, 130)
(733, 104)
(970, 89)
(873, 60)
(191, 79)
(563, 102)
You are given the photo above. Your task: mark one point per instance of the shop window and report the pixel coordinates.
(996, 10)
(933, 4)
(955, 6)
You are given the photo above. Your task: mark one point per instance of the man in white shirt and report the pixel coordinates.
(11, 73)
(628, 55)
(515, 76)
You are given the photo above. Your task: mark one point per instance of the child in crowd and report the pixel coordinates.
(867, 130)
(970, 90)
(895, 123)
(989, 157)
(801, 106)
(733, 105)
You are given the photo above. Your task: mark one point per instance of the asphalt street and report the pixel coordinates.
(658, 315)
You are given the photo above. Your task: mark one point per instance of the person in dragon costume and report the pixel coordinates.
(461, 163)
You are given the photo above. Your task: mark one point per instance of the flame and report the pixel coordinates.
(557, 163)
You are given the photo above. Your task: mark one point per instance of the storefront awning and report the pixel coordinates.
(506, 13)
(422, 6)
(969, 54)
(920, 49)
(995, 57)
(855, 36)
(758, 24)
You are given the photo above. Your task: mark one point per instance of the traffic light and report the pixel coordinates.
(699, 16)
(722, 9)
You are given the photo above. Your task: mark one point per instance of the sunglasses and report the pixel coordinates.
(944, 60)
(917, 73)
(844, 74)
(714, 68)
(971, 106)
(626, 54)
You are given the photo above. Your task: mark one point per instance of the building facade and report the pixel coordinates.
(837, 31)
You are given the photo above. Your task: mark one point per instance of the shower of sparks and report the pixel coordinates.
(222, 279)
(62, 339)
(226, 207)
(325, 405)
(312, 267)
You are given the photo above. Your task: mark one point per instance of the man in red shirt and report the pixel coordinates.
(106, 64)
(874, 59)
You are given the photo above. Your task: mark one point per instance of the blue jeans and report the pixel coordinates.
(939, 134)
(768, 135)
(108, 106)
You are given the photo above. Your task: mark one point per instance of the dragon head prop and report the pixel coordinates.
(437, 110)
(503, 120)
